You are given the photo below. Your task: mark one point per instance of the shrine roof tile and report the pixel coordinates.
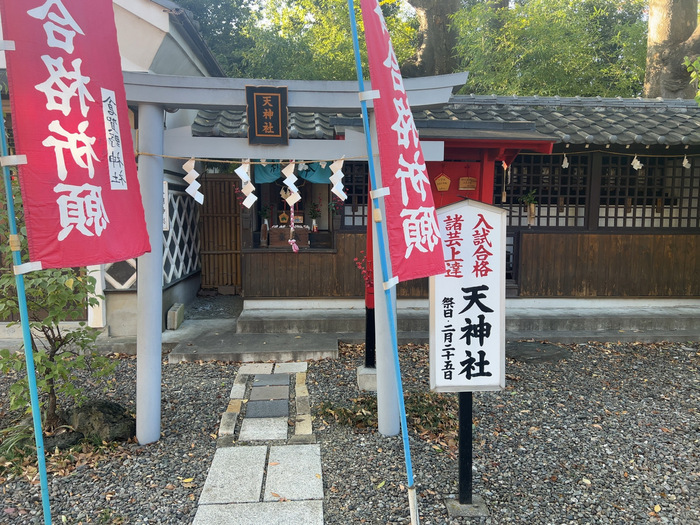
(594, 121)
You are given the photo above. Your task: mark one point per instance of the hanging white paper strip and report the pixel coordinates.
(338, 191)
(293, 199)
(288, 169)
(250, 200)
(242, 172)
(189, 165)
(337, 165)
(191, 179)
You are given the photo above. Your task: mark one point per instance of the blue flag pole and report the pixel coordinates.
(386, 275)
(26, 332)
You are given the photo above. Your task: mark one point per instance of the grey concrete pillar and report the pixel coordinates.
(150, 277)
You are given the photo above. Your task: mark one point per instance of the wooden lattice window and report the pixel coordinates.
(355, 182)
(560, 192)
(661, 194)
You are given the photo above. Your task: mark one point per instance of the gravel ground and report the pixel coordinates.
(157, 483)
(610, 434)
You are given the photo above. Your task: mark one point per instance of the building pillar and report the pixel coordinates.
(149, 324)
(97, 313)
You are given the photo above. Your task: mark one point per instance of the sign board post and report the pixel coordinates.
(467, 314)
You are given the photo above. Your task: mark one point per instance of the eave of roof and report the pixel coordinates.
(589, 121)
(575, 121)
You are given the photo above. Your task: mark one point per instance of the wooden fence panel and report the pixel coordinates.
(268, 273)
(220, 233)
(609, 265)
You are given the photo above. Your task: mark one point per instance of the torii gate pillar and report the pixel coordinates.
(149, 324)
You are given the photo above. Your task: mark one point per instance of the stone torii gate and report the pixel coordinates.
(153, 95)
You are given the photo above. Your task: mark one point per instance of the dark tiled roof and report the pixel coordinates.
(595, 121)
(228, 123)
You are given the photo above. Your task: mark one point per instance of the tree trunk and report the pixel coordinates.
(435, 56)
(673, 34)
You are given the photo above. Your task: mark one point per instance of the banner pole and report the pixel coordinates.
(26, 333)
(386, 276)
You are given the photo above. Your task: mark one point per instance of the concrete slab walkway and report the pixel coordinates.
(267, 467)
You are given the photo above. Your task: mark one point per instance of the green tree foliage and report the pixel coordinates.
(693, 67)
(312, 40)
(54, 297)
(222, 24)
(553, 47)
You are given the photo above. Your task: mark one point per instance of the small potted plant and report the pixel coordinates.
(335, 207)
(265, 211)
(314, 213)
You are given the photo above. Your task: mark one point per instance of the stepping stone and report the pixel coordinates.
(260, 393)
(271, 513)
(235, 475)
(291, 368)
(275, 408)
(294, 473)
(271, 380)
(255, 368)
(263, 429)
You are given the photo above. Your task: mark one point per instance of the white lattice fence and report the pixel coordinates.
(181, 243)
(181, 247)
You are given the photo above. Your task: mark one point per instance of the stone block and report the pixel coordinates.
(228, 423)
(294, 473)
(291, 368)
(234, 405)
(366, 379)
(255, 368)
(264, 409)
(263, 429)
(176, 315)
(476, 509)
(235, 476)
(269, 513)
(271, 379)
(303, 425)
(267, 393)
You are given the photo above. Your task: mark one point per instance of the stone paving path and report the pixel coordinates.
(267, 467)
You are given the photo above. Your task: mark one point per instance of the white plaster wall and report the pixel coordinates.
(140, 32)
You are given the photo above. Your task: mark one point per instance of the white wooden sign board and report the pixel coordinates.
(467, 302)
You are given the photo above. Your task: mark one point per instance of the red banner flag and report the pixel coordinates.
(82, 203)
(412, 228)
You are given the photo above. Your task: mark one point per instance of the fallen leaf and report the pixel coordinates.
(657, 508)
(273, 463)
(188, 480)
(381, 485)
(318, 476)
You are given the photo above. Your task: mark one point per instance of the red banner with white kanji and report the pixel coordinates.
(414, 237)
(82, 204)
